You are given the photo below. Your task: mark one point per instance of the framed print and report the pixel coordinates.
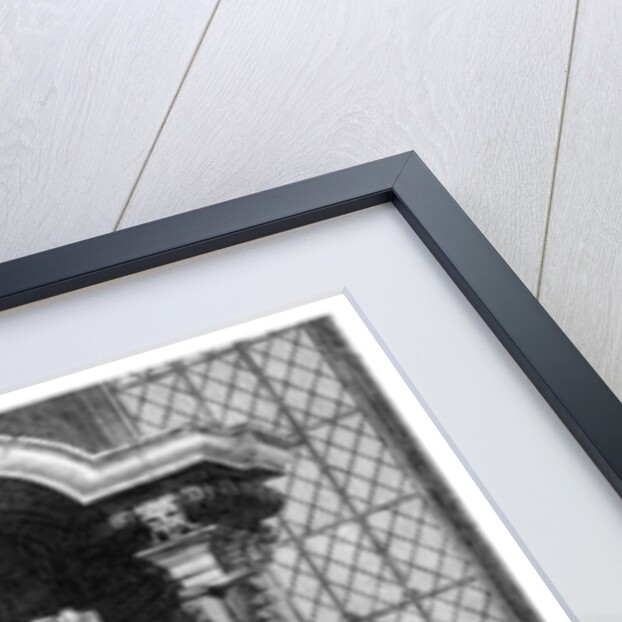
(280, 470)
(288, 407)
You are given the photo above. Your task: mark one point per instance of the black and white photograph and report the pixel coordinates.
(267, 477)
(193, 427)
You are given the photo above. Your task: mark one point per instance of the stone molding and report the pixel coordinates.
(90, 478)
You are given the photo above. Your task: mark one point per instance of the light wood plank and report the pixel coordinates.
(84, 87)
(582, 275)
(282, 91)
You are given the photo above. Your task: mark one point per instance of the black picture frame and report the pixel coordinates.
(572, 388)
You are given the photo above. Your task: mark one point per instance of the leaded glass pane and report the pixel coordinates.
(361, 537)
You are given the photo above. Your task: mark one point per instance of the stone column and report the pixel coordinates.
(245, 555)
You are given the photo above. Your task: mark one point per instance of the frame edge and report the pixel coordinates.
(153, 244)
(569, 384)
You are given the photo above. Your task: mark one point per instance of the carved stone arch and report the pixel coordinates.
(49, 561)
(34, 524)
(81, 531)
(27, 506)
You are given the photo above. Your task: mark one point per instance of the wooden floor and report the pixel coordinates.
(117, 113)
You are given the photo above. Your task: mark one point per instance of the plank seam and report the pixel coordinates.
(166, 116)
(547, 218)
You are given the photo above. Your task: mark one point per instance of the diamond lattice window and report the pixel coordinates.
(362, 538)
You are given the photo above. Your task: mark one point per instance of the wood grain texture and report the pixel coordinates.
(84, 87)
(582, 275)
(282, 91)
